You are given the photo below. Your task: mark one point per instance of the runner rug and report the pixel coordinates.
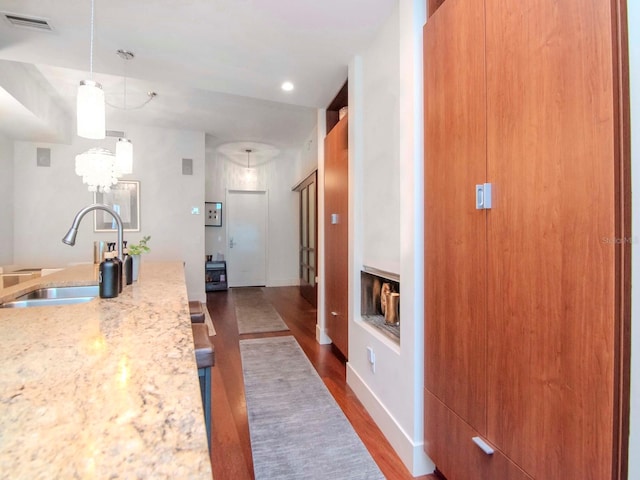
(254, 313)
(297, 429)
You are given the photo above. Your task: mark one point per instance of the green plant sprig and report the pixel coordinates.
(140, 247)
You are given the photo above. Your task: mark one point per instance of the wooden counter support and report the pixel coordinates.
(205, 359)
(196, 312)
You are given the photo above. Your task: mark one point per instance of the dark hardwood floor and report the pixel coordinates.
(230, 442)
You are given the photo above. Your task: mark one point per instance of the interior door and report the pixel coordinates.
(247, 238)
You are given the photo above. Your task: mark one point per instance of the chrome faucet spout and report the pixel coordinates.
(70, 237)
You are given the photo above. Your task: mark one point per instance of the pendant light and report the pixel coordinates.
(124, 155)
(124, 147)
(249, 174)
(90, 101)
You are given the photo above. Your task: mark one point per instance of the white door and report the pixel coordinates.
(247, 238)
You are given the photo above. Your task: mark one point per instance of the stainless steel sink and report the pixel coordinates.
(54, 296)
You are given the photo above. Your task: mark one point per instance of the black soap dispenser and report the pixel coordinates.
(108, 276)
(128, 264)
(117, 261)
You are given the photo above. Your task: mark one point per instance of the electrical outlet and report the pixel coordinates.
(371, 356)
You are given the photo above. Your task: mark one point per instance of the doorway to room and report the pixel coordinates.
(308, 259)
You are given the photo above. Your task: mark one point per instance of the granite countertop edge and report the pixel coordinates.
(103, 389)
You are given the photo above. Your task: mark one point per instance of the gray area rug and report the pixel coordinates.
(297, 429)
(254, 313)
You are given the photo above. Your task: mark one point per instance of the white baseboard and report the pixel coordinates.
(411, 453)
(283, 282)
(321, 336)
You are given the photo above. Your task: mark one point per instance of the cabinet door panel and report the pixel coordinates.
(551, 259)
(336, 235)
(455, 232)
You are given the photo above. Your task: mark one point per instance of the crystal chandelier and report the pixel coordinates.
(98, 169)
(90, 101)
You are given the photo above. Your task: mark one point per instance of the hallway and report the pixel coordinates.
(230, 442)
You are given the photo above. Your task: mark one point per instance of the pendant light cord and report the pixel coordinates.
(91, 44)
(124, 103)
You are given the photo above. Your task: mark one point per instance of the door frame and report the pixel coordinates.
(622, 158)
(307, 291)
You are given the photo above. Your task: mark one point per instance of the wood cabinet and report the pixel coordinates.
(336, 234)
(522, 301)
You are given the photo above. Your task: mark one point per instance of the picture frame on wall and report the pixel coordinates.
(213, 214)
(124, 199)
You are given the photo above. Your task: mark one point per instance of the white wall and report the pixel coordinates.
(47, 199)
(283, 227)
(6, 201)
(215, 237)
(321, 131)
(40, 115)
(633, 11)
(277, 176)
(385, 154)
(308, 160)
(381, 149)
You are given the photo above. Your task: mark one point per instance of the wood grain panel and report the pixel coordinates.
(455, 232)
(432, 6)
(456, 455)
(552, 234)
(336, 188)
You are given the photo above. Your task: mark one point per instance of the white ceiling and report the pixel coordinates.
(217, 65)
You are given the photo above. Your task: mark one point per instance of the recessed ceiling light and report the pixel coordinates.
(287, 86)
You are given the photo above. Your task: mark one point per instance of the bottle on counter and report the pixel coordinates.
(116, 260)
(128, 264)
(108, 276)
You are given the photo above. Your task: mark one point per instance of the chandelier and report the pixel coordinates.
(98, 169)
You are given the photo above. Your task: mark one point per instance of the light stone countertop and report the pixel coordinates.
(103, 389)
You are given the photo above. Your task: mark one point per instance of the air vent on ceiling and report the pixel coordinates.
(27, 22)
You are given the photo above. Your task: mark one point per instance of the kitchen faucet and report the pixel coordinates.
(70, 237)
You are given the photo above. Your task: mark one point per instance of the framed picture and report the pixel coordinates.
(213, 214)
(124, 198)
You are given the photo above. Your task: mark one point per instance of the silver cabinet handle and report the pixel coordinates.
(335, 314)
(483, 196)
(484, 446)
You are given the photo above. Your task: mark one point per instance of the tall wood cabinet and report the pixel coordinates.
(522, 301)
(336, 234)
